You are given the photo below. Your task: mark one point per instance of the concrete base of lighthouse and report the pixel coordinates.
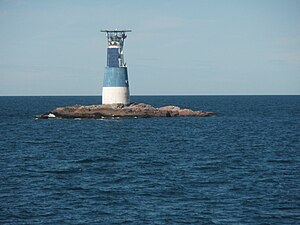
(115, 86)
(112, 95)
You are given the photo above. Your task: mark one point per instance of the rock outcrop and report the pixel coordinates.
(133, 110)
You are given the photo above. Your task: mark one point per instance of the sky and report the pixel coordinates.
(176, 47)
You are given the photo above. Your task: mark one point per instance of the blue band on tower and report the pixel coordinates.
(115, 77)
(113, 56)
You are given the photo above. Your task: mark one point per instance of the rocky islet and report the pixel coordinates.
(110, 111)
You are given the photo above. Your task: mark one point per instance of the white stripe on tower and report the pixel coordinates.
(111, 95)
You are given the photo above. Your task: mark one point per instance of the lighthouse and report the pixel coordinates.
(115, 82)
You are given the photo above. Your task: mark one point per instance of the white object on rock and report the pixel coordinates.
(51, 115)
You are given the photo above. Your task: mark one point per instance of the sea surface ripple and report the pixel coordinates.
(239, 167)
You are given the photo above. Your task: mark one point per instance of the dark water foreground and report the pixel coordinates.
(239, 167)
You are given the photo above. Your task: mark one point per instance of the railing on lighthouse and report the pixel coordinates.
(115, 41)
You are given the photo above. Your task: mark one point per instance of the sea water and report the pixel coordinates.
(241, 166)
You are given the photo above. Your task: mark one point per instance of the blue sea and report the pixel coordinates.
(241, 166)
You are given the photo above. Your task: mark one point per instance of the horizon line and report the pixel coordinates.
(75, 95)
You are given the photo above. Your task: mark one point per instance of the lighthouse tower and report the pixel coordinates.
(115, 83)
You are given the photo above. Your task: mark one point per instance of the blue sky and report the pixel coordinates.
(176, 47)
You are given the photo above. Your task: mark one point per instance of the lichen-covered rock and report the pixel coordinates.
(120, 110)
